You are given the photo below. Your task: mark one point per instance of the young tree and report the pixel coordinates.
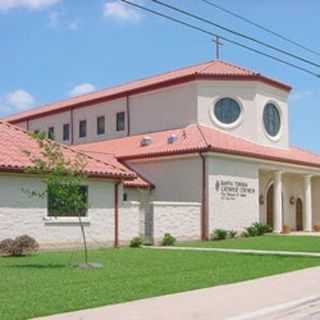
(64, 178)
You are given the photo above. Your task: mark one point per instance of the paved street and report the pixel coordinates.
(292, 295)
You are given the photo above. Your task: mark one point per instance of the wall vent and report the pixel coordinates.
(172, 138)
(145, 141)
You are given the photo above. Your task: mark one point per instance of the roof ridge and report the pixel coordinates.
(239, 67)
(109, 88)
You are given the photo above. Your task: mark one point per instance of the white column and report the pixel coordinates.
(277, 202)
(307, 204)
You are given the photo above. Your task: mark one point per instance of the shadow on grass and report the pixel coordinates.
(37, 266)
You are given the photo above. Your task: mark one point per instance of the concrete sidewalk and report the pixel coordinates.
(247, 251)
(222, 302)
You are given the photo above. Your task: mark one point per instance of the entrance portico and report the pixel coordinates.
(286, 198)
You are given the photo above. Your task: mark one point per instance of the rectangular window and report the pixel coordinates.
(51, 133)
(57, 207)
(120, 121)
(83, 128)
(101, 125)
(66, 132)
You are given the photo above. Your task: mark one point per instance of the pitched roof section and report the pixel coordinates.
(14, 141)
(199, 139)
(212, 70)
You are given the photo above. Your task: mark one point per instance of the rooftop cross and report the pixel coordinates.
(218, 44)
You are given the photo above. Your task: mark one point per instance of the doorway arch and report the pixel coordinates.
(299, 215)
(269, 208)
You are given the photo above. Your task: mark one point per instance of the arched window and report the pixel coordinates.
(227, 110)
(271, 119)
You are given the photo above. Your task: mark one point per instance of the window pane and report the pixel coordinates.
(120, 121)
(57, 206)
(66, 132)
(83, 128)
(101, 125)
(227, 110)
(271, 119)
(51, 133)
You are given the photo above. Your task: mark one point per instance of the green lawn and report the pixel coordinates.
(44, 284)
(267, 242)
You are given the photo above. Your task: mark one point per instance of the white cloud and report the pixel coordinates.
(82, 88)
(6, 5)
(15, 101)
(121, 11)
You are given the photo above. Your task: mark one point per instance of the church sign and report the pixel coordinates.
(232, 190)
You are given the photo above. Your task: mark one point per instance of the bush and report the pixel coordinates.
(6, 247)
(219, 234)
(168, 240)
(232, 234)
(258, 229)
(19, 246)
(136, 242)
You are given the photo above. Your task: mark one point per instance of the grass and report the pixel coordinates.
(45, 284)
(267, 242)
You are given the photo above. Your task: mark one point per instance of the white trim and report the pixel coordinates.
(217, 122)
(65, 220)
(176, 203)
(276, 164)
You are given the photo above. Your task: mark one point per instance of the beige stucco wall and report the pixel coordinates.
(233, 210)
(176, 179)
(169, 108)
(56, 120)
(252, 98)
(90, 113)
(20, 214)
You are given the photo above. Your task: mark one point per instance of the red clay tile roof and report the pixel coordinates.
(15, 141)
(212, 70)
(197, 138)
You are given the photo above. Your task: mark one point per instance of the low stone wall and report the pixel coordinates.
(180, 219)
(129, 221)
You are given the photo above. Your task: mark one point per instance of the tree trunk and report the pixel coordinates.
(84, 240)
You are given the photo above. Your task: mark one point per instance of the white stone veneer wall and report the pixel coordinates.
(180, 219)
(129, 221)
(20, 214)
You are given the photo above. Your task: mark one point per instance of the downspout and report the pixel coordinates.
(116, 214)
(71, 125)
(204, 198)
(27, 125)
(128, 115)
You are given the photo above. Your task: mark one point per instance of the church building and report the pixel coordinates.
(209, 145)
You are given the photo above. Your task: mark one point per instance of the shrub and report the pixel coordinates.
(168, 240)
(251, 231)
(258, 229)
(219, 234)
(262, 228)
(19, 246)
(6, 247)
(232, 234)
(136, 242)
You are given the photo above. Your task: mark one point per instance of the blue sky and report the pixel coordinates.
(51, 49)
